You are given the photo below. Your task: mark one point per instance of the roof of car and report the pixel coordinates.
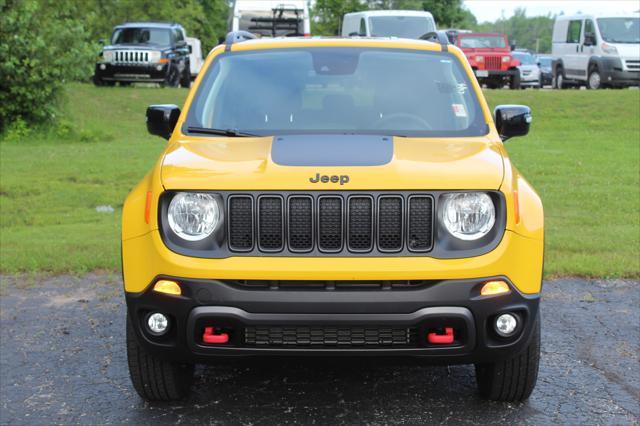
(150, 24)
(392, 13)
(595, 16)
(365, 42)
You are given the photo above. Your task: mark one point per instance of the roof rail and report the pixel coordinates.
(438, 37)
(237, 37)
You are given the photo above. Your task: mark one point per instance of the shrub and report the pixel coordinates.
(42, 44)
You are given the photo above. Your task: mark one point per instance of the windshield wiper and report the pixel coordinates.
(234, 133)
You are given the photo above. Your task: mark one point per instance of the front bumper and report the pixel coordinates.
(131, 73)
(613, 73)
(243, 312)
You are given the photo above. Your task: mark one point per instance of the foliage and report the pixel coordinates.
(328, 14)
(533, 33)
(587, 176)
(42, 44)
(450, 14)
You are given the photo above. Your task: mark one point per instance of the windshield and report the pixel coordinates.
(545, 62)
(524, 58)
(338, 90)
(620, 30)
(400, 26)
(482, 42)
(160, 36)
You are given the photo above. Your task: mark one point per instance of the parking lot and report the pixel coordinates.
(63, 361)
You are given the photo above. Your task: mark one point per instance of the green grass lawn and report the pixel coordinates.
(583, 157)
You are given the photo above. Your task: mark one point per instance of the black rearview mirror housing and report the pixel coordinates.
(512, 120)
(162, 119)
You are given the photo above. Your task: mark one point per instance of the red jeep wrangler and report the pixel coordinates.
(490, 57)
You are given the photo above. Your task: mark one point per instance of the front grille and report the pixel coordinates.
(633, 65)
(131, 57)
(330, 224)
(329, 336)
(493, 62)
(288, 285)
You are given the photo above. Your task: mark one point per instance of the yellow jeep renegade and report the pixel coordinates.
(334, 197)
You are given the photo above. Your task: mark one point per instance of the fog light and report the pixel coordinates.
(158, 323)
(506, 325)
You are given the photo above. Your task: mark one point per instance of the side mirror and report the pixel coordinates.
(512, 120)
(190, 49)
(162, 119)
(589, 39)
(101, 41)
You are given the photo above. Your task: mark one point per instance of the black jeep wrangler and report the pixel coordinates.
(155, 52)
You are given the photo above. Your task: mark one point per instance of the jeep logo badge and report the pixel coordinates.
(326, 179)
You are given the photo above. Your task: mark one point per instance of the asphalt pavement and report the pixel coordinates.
(62, 360)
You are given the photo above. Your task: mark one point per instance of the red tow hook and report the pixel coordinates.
(441, 339)
(210, 337)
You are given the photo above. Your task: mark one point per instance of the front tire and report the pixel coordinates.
(155, 379)
(514, 84)
(560, 84)
(513, 379)
(172, 79)
(594, 81)
(185, 80)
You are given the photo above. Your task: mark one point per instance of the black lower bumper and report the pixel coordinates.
(621, 78)
(130, 73)
(281, 320)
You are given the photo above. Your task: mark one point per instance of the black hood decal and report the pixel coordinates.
(332, 150)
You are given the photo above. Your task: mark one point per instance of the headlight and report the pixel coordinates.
(506, 59)
(193, 216)
(107, 56)
(154, 56)
(609, 49)
(467, 215)
(479, 58)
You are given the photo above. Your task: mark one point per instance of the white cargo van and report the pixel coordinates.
(271, 18)
(195, 56)
(596, 51)
(388, 23)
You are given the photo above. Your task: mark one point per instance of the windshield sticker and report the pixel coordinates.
(459, 111)
(462, 88)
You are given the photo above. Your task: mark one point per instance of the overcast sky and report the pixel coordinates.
(490, 10)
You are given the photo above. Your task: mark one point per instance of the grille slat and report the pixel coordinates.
(241, 223)
(329, 336)
(390, 223)
(330, 228)
(420, 223)
(270, 223)
(327, 223)
(300, 223)
(360, 222)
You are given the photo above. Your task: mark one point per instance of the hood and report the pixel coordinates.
(332, 162)
(627, 50)
(132, 46)
(528, 67)
(487, 50)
